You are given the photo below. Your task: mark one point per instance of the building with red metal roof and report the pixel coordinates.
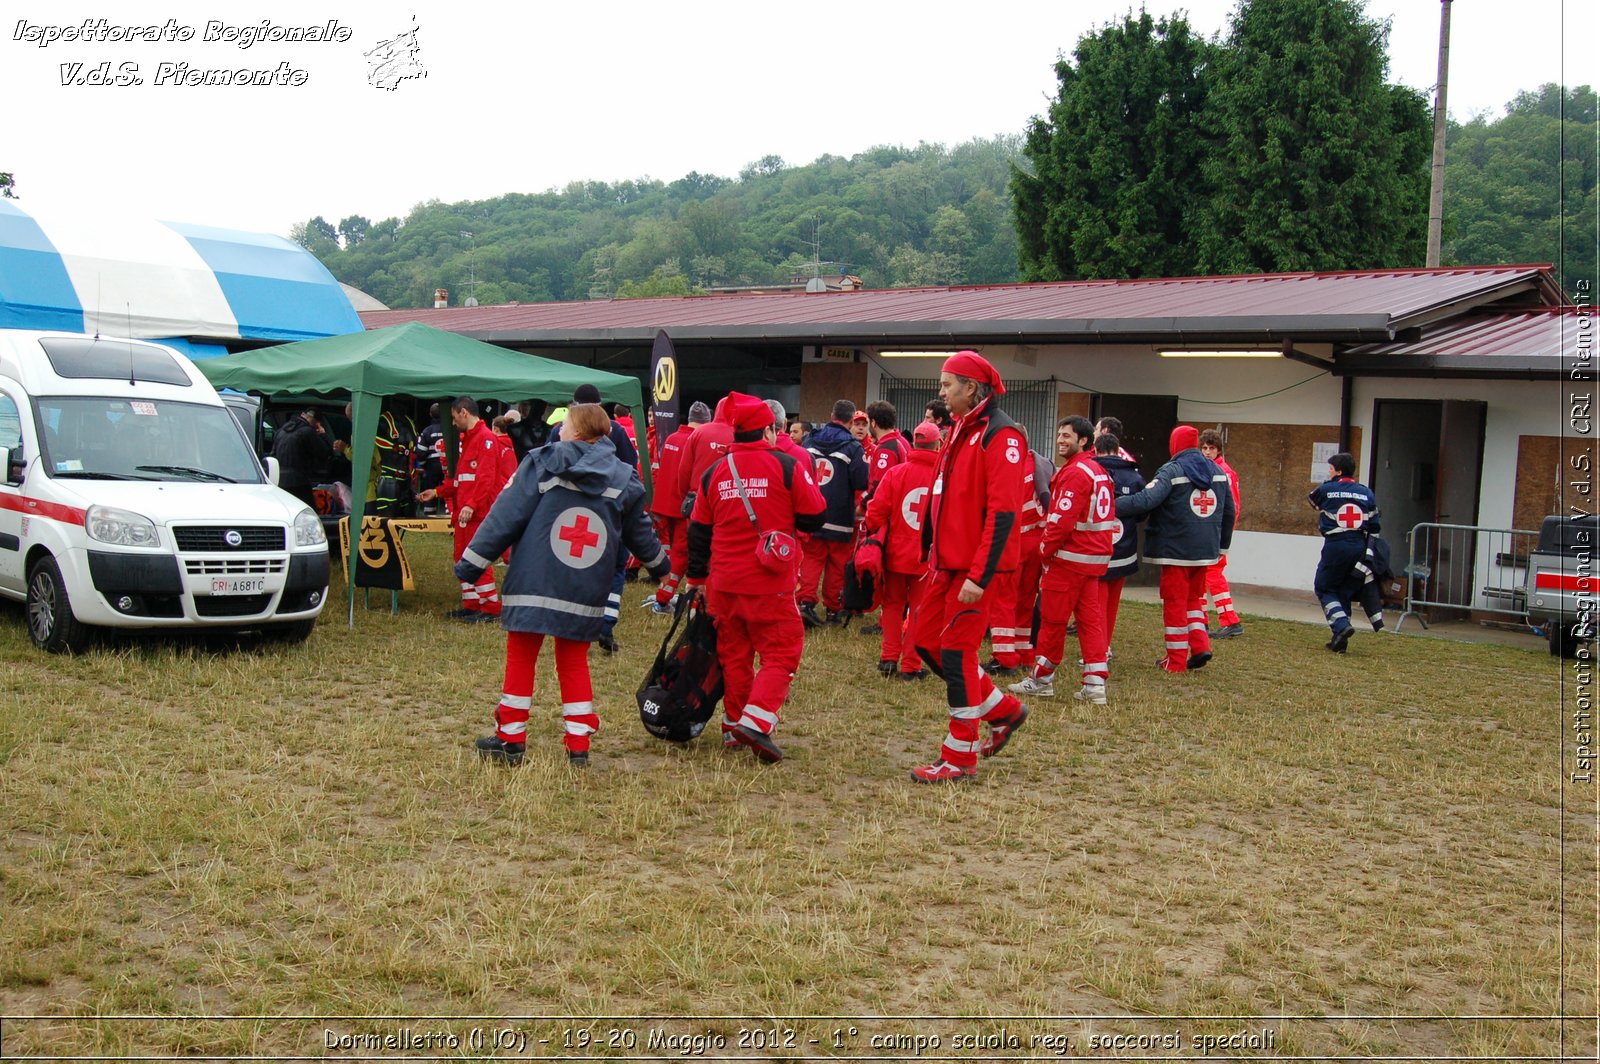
(1442, 382)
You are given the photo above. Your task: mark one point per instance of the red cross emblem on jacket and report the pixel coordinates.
(578, 537)
(912, 505)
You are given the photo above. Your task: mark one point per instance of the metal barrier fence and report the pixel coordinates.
(1467, 567)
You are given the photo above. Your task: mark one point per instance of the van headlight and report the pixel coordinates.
(308, 530)
(124, 528)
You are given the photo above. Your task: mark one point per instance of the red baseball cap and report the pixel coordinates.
(925, 432)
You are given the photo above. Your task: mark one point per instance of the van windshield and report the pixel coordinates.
(102, 438)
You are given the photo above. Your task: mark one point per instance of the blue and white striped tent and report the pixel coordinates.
(163, 281)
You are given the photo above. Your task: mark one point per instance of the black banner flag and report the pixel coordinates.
(663, 389)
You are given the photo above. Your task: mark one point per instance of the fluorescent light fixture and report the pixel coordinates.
(1222, 354)
(915, 354)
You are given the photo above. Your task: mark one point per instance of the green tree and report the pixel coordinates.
(1522, 188)
(910, 267)
(317, 237)
(353, 230)
(594, 239)
(1108, 188)
(665, 280)
(1317, 163)
(8, 185)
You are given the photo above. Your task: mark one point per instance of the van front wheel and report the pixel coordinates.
(51, 624)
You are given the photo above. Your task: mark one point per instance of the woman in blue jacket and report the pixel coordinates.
(568, 511)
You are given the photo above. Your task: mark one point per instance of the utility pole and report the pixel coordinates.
(1436, 190)
(471, 284)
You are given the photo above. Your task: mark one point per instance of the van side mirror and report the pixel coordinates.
(13, 472)
(272, 470)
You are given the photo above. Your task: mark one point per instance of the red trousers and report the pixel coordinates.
(1111, 595)
(747, 625)
(1183, 613)
(1024, 595)
(901, 595)
(948, 635)
(673, 532)
(1221, 597)
(572, 673)
(824, 561)
(1065, 593)
(483, 596)
(1003, 593)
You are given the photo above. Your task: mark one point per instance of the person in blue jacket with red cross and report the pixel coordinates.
(1347, 513)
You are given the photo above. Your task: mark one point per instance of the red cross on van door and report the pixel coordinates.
(1350, 516)
(578, 537)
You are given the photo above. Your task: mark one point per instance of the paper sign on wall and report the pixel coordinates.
(1320, 453)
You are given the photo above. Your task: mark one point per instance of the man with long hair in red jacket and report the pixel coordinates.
(972, 530)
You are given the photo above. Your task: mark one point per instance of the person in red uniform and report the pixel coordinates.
(888, 446)
(1011, 636)
(483, 466)
(1229, 623)
(666, 506)
(894, 518)
(861, 428)
(1009, 589)
(706, 447)
(972, 528)
(1076, 549)
(753, 603)
(786, 442)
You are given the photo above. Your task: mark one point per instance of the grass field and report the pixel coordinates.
(199, 829)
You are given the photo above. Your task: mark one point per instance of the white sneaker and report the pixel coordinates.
(1095, 694)
(1030, 685)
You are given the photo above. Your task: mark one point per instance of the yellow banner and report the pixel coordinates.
(382, 559)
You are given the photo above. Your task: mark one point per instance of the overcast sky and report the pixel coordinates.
(529, 98)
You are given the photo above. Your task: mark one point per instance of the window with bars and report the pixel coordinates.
(1031, 404)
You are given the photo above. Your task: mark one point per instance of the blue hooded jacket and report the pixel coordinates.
(1190, 505)
(1125, 480)
(832, 444)
(567, 512)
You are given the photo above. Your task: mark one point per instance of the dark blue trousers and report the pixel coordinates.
(1333, 584)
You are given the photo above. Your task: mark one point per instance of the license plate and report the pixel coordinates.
(238, 585)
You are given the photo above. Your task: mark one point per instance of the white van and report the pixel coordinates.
(132, 499)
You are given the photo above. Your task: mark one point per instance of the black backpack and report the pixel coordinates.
(684, 685)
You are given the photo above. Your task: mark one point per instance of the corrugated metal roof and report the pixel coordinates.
(1348, 306)
(1523, 344)
(1544, 332)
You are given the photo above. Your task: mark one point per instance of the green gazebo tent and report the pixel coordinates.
(411, 359)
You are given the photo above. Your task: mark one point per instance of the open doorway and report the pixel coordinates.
(1427, 468)
(1147, 424)
(1147, 421)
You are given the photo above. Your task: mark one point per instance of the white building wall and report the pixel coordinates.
(1269, 391)
(1515, 408)
(1281, 392)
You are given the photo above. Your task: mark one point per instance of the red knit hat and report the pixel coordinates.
(971, 364)
(1183, 438)
(748, 413)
